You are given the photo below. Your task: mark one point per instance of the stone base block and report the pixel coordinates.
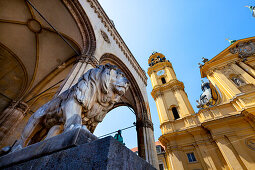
(75, 153)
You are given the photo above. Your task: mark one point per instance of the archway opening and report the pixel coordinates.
(163, 80)
(117, 119)
(175, 113)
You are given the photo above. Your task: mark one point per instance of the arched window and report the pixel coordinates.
(163, 80)
(175, 113)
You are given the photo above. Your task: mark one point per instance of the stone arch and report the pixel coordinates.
(76, 28)
(13, 72)
(86, 29)
(138, 105)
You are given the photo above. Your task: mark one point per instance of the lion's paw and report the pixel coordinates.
(72, 127)
(16, 148)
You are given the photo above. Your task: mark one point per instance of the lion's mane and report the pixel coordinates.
(91, 91)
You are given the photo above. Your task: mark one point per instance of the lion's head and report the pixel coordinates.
(99, 89)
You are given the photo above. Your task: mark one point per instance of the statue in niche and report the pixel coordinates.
(85, 103)
(238, 81)
(209, 96)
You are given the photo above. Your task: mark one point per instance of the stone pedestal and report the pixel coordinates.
(77, 149)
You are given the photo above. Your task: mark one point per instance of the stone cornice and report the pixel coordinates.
(117, 38)
(172, 85)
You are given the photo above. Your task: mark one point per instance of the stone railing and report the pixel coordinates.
(203, 115)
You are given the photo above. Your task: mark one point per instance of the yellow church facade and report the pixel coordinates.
(221, 135)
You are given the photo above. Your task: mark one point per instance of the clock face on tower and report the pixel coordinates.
(160, 72)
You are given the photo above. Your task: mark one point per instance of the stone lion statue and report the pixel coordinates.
(85, 103)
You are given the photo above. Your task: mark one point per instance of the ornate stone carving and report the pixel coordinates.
(247, 88)
(204, 60)
(157, 59)
(200, 65)
(209, 96)
(144, 123)
(210, 72)
(227, 71)
(116, 37)
(105, 37)
(173, 85)
(238, 81)
(177, 87)
(21, 106)
(83, 22)
(250, 142)
(244, 49)
(88, 59)
(85, 103)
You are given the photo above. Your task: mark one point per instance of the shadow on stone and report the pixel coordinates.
(76, 149)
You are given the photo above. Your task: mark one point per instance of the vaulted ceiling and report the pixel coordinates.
(30, 50)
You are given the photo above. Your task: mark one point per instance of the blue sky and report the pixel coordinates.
(184, 31)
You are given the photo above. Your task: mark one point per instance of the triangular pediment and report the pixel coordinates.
(240, 50)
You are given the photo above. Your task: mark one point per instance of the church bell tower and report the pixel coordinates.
(168, 92)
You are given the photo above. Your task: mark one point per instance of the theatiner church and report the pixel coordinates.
(221, 135)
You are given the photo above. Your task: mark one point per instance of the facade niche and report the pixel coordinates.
(237, 81)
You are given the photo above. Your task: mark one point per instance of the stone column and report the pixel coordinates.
(225, 84)
(201, 148)
(83, 64)
(229, 153)
(146, 142)
(246, 155)
(247, 68)
(246, 76)
(10, 118)
(175, 157)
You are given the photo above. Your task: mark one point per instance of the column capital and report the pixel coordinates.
(171, 148)
(83, 58)
(19, 105)
(144, 123)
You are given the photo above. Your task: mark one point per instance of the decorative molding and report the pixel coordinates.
(83, 23)
(137, 96)
(88, 59)
(105, 37)
(250, 143)
(244, 49)
(34, 25)
(172, 85)
(108, 24)
(21, 106)
(158, 66)
(144, 123)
